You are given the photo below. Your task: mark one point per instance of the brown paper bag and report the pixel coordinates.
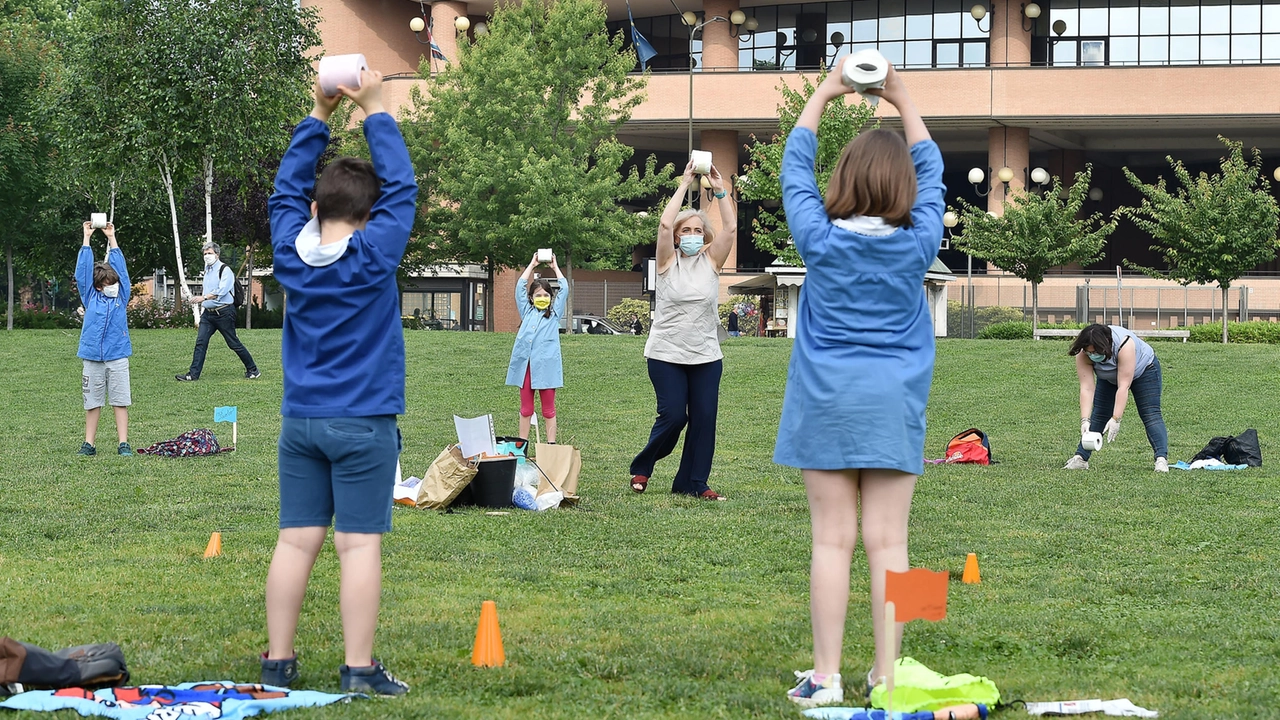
(445, 479)
(561, 464)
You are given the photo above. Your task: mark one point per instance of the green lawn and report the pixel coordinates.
(1115, 582)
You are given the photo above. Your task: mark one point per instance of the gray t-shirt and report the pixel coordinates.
(685, 319)
(1144, 355)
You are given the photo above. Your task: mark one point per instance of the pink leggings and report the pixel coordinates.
(526, 397)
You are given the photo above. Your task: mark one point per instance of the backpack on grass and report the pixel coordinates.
(971, 446)
(193, 443)
(24, 667)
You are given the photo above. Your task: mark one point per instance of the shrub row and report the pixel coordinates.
(1021, 330)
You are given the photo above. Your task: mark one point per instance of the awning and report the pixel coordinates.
(762, 284)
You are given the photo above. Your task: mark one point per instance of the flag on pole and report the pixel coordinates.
(225, 414)
(644, 50)
(436, 52)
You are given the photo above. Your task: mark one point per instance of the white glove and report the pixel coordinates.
(1112, 429)
(1084, 426)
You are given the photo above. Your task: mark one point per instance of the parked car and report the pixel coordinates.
(593, 325)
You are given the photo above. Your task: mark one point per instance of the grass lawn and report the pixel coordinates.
(1115, 582)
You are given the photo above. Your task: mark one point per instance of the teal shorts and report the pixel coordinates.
(338, 469)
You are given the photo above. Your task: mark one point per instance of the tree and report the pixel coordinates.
(1215, 228)
(516, 145)
(840, 124)
(27, 61)
(1036, 232)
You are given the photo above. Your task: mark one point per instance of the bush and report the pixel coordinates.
(621, 313)
(748, 314)
(958, 318)
(1019, 330)
(262, 318)
(1252, 332)
(37, 318)
(150, 313)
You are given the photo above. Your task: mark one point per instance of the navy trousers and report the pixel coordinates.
(687, 395)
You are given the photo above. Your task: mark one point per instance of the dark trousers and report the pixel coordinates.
(223, 320)
(1146, 395)
(687, 395)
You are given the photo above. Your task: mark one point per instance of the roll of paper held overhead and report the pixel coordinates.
(98, 220)
(863, 70)
(343, 70)
(545, 255)
(701, 161)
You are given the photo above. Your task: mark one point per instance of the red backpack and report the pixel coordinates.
(970, 446)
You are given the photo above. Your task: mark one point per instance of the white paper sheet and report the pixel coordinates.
(475, 435)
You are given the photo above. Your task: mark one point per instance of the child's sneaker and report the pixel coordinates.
(87, 449)
(279, 673)
(124, 449)
(374, 679)
(807, 693)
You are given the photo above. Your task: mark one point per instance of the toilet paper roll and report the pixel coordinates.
(338, 70)
(864, 70)
(701, 161)
(544, 255)
(1091, 441)
(98, 220)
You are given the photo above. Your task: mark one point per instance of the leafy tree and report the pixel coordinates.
(1215, 228)
(840, 124)
(1036, 232)
(27, 61)
(516, 146)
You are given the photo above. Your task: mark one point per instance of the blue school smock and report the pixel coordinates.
(105, 334)
(862, 361)
(538, 342)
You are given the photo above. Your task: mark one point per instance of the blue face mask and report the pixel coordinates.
(690, 244)
(1097, 357)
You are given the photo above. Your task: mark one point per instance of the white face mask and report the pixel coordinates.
(210, 259)
(112, 290)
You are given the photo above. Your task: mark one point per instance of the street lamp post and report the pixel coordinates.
(691, 20)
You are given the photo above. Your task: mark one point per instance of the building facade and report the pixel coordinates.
(1057, 85)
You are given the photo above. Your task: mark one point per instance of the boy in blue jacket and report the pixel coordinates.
(343, 357)
(104, 338)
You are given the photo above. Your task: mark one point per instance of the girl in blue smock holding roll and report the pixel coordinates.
(535, 359)
(853, 415)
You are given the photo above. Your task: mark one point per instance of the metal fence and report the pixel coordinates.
(597, 296)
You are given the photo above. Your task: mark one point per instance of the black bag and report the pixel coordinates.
(237, 291)
(25, 666)
(1242, 449)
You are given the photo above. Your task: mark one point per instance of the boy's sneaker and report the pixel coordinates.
(1162, 465)
(374, 679)
(124, 449)
(280, 673)
(185, 377)
(87, 449)
(807, 693)
(1076, 463)
(252, 374)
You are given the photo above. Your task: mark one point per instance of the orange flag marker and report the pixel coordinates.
(917, 594)
(488, 649)
(971, 574)
(214, 548)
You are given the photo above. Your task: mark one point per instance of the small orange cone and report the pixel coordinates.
(214, 548)
(971, 574)
(488, 649)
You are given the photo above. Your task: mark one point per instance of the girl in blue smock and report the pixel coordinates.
(535, 359)
(853, 415)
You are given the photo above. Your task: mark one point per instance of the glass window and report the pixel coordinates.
(948, 55)
(865, 30)
(919, 27)
(839, 12)
(1215, 49)
(1214, 18)
(1270, 18)
(1064, 53)
(1154, 50)
(1183, 50)
(947, 25)
(1154, 20)
(1124, 21)
(1124, 51)
(1093, 17)
(1068, 15)
(893, 28)
(1093, 52)
(919, 54)
(1271, 48)
(1184, 19)
(1246, 48)
(894, 52)
(975, 54)
(1246, 19)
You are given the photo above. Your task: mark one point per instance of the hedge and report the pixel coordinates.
(1252, 332)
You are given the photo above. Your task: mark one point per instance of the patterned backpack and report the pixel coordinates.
(194, 443)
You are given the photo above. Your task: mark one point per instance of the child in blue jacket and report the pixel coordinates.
(535, 357)
(104, 339)
(343, 356)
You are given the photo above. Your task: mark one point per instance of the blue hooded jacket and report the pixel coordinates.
(105, 335)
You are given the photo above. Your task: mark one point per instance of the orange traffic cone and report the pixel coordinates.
(488, 649)
(214, 548)
(971, 574)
